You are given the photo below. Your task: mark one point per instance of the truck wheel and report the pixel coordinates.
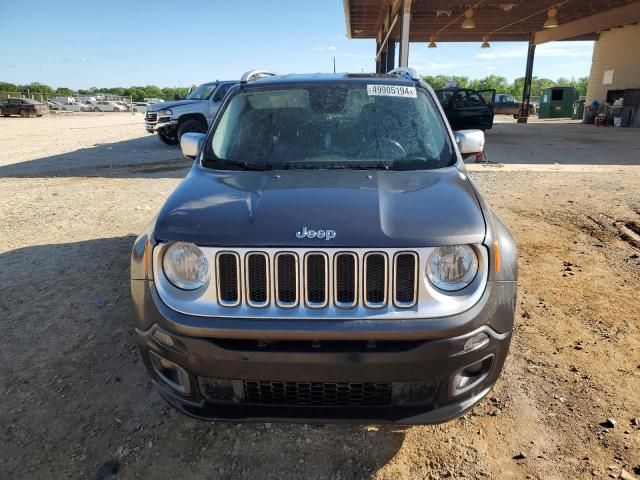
(96, 109)
(170, 138)
(189, 126)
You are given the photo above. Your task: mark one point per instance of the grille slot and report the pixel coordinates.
(228, 279)
(405, 279)
(375, 280)
(257, 274)
(152, 117)
(316, 393)
(316, 280)
(346, 279)
(286, 279)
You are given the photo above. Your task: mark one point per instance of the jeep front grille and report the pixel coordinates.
(317, 283)
(308, 277)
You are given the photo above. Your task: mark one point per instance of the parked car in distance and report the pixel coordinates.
(171, 120)
(76, 107)
(108, 106)
(327, 258)
(54, 105)
(140, 107)
(25, 107)
(127, 106)
(505, 104)
(466, 108)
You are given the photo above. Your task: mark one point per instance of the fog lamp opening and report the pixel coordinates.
(172, 374)
(471, 376)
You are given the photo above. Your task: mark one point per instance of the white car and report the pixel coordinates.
(75, 107)
(108, 106)
(140, 107)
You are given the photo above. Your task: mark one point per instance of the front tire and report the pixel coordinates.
(96, 109)
(191, 126)
(170, 138)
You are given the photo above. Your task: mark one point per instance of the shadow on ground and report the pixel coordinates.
(76, 401)
(139, 157)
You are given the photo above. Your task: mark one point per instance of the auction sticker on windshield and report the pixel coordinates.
(391, 91)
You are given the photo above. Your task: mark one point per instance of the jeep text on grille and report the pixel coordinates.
(326, 253)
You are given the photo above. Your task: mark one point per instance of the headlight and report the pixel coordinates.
(452, 267)
(185, 266)
(165, 113)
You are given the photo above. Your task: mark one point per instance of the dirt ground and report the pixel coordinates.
(75, 401)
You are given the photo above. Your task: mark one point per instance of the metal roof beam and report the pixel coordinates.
(594, 23)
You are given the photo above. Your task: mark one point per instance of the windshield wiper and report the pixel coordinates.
(245, 165)
(380, 165)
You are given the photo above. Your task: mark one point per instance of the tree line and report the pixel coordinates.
(515, 88)
(138, 94)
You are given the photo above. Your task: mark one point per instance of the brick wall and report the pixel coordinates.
(617, 49)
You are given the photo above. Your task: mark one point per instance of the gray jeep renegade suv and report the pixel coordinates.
(327, 259)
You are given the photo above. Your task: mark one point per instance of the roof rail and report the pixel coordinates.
(252, 75)
(405, 72)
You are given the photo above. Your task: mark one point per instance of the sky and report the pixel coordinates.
(80, 44)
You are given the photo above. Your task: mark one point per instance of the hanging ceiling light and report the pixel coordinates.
(485, 42)
(432, 42)
(468, 20)
(551, 21)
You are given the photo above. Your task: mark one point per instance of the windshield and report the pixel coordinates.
(330, 126)
(202, 92)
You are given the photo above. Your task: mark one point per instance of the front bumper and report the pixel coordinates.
(153, 127)
(287, 357)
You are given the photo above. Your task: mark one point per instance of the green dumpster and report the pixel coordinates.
(557, 102)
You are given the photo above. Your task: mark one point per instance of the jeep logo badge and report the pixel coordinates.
(307, 233)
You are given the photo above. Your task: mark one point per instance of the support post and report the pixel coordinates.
(523, 117)
(405, 27)
(381, 60)
(391, 56)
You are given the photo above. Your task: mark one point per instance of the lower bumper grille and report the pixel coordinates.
(317, 394)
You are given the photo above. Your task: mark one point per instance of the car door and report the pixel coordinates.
(4, 107)
(473, 112)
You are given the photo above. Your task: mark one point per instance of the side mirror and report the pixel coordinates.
(470, 141)
(190, 144)
(217, 97)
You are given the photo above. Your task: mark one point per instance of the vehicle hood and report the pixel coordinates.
(365, 208)
(155, 107)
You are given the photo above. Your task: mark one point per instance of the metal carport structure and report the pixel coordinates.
(399, 22)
